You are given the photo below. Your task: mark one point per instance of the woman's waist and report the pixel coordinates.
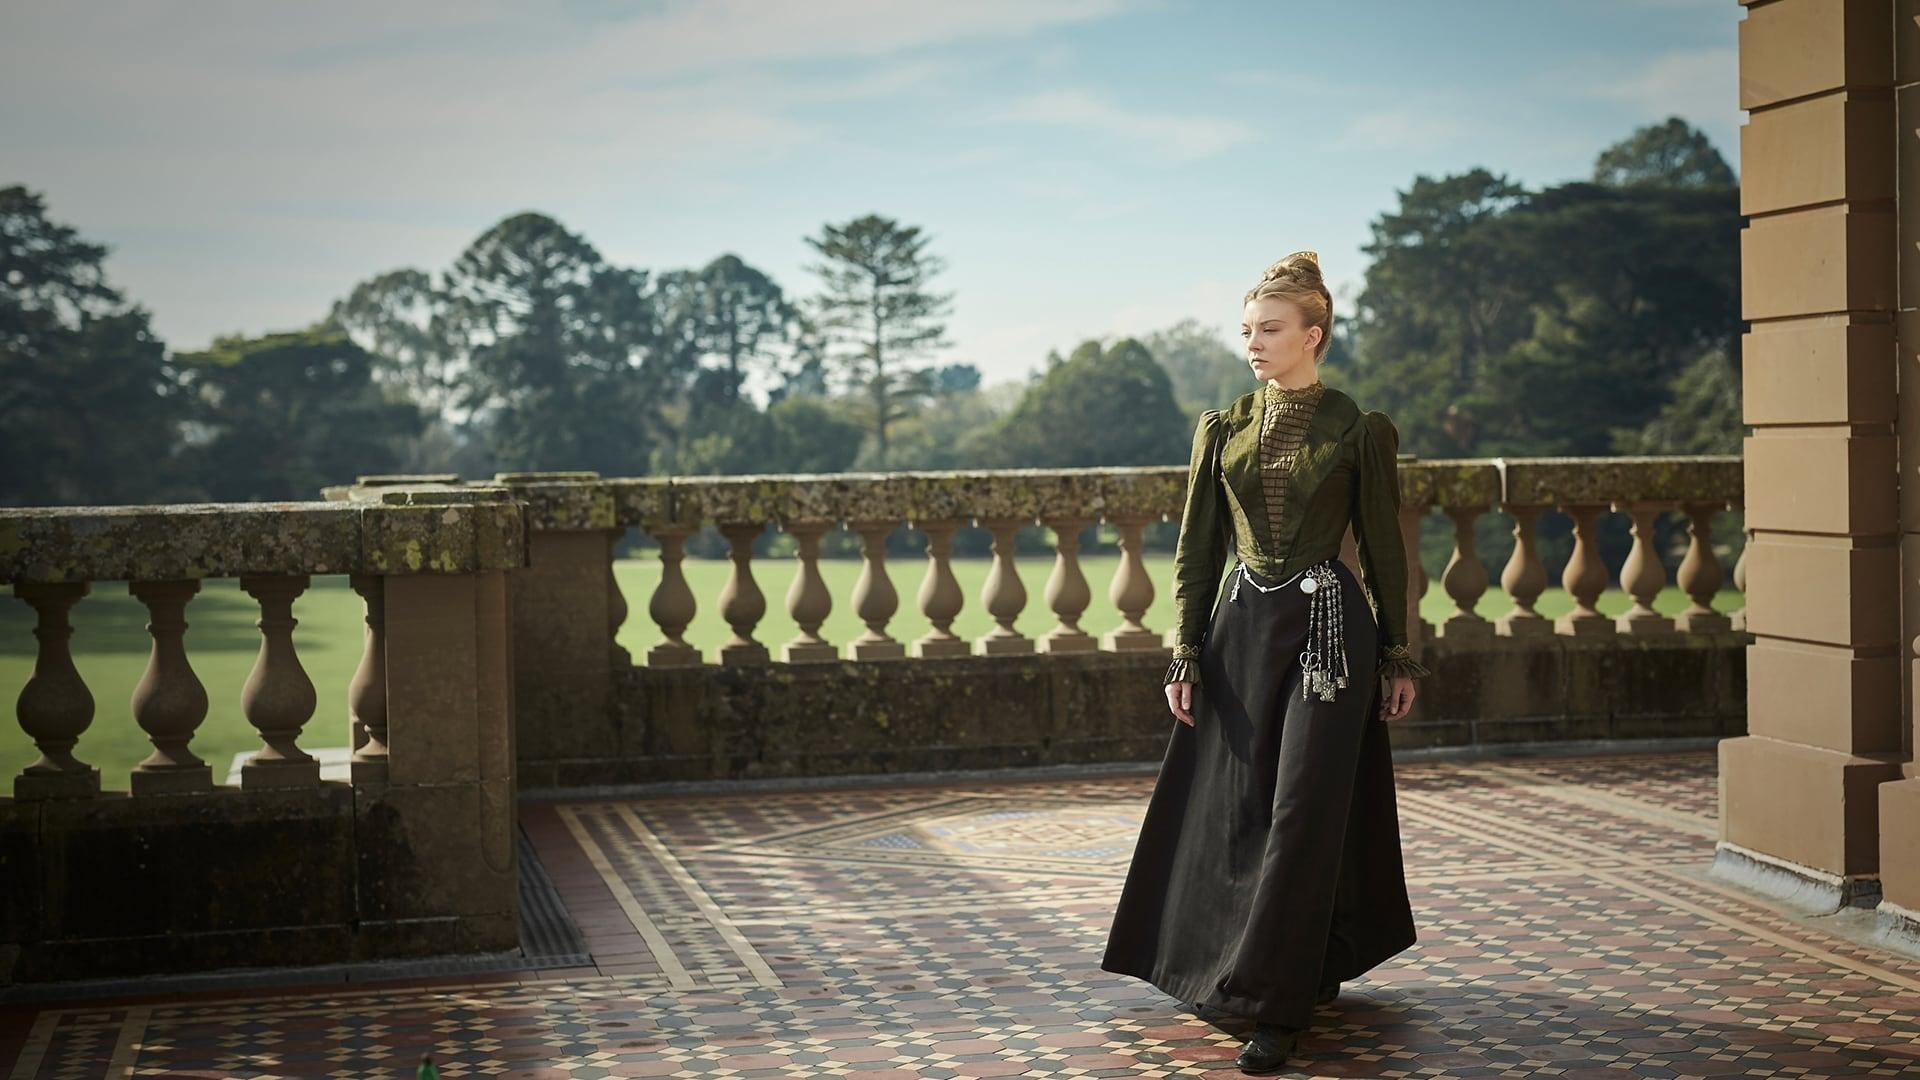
(1269, 571)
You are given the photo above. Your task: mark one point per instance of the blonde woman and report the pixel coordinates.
(1268, 867)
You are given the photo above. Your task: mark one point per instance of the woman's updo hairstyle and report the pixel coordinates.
(1296, 278)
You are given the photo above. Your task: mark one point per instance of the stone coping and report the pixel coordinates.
(585, 500)
(417, 531)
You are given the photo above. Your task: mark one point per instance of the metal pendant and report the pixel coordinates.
(1308, 584)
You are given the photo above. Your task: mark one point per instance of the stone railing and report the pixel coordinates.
(592, 714)
(414, 854)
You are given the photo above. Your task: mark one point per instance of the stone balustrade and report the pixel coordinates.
(490, 661)
(591, 714)
(414, 854)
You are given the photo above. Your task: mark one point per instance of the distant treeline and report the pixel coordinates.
(1593, 317)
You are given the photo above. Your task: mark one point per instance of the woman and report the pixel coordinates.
(1268, 866)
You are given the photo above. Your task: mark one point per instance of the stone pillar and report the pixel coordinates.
(1900, 799)
(438, 868)
(564, 606)
(1800, 793)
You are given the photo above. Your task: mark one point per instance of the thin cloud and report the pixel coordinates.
(1693, 82)
(1180, 137)
(1403, 128)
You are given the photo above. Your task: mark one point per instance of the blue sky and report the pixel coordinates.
(1086, 167)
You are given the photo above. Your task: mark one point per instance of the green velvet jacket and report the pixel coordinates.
(1344, 473)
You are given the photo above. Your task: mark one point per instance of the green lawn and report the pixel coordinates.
(110, 640)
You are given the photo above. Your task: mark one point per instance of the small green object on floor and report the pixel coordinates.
(427, 1070)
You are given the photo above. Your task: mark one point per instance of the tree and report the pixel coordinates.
(400, 318)
(1449, 287)
(875, 303)
(951, 379)
(1205, 371)
(89, 402)
(1495, 320)
(1100, 406)
(812, 436)
(1672, 154)
(283, 415)
(731, 312)
(563, 349)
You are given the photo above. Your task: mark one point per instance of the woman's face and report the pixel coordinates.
(1276, 337)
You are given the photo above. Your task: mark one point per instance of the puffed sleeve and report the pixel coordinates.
(1201, 552)
(1383, 554)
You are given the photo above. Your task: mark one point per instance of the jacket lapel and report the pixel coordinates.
(1240, 457)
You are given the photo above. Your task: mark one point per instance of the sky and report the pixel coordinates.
(1086, 168)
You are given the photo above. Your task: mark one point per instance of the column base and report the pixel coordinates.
(1643, 624)
(744, 655)
(1069, 641)
(1898, 928)
(1802, 887)
(673, 656)
(1461, 628)
(877, 650)
(65, 785)
(1134, 641)
(256, 775)
(1526, 624)
(1583, 625)
(810, 652)
(180, 780)
(929, 647)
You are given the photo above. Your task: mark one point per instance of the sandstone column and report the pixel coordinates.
(1900, 799)
(1800, 793)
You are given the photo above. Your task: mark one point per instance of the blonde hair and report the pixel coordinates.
(1296, 279)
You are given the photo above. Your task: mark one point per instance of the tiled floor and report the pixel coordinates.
(1567, 930)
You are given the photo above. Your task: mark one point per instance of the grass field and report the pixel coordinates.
(110, 641)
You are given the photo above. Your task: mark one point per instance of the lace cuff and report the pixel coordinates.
(1185, 666)
(1397, 660)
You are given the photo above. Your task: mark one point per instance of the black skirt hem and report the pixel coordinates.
(1192, 992)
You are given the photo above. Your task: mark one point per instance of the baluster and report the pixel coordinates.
(1738, 619)
(809, 600)
(616, 605)
(1464, 579)
(278, 699)
(1585, 576)
(1643, 575)
(1524, 577)
(1004, 596)
(55, 707)
(672, 605)
(874, 598)
(742, 603)
(1699, 575)
(1067, 592)
(170, 702)
(1411, 514)
(941, 597)
(367, 692)
(1131, 590)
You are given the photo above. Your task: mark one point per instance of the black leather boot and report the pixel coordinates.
(1268, 1049)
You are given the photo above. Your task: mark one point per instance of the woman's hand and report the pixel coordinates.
(1180, 701)
(1399, 699)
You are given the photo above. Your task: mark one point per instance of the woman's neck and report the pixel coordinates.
(1299, 379)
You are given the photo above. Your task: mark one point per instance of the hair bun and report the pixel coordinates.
(1291, 264)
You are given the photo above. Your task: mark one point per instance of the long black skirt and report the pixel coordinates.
(1268, 864)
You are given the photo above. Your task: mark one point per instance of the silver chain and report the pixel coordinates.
(1326, 627)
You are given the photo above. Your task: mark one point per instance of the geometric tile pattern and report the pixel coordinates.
(1566, 929)
(986, 832)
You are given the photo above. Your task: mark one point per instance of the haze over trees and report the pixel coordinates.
(1592, 317)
